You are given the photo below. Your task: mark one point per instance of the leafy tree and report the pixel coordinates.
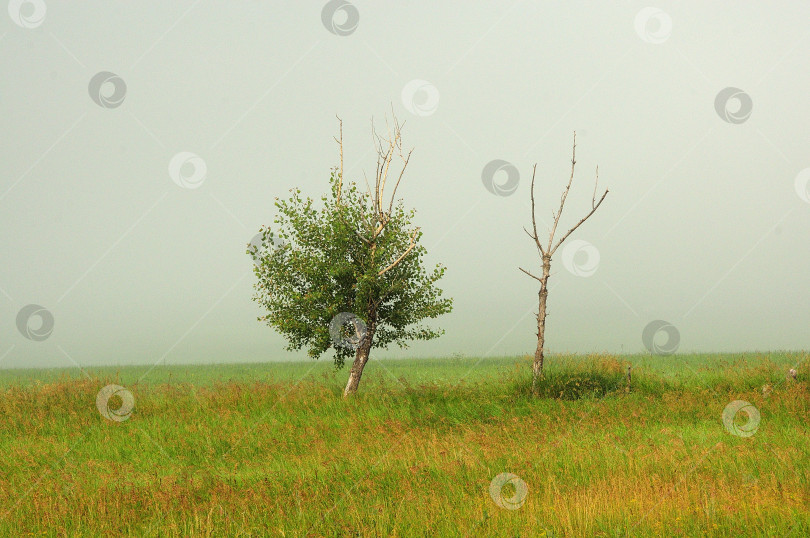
(348, 275)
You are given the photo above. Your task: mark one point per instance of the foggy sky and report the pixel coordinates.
(705, 227)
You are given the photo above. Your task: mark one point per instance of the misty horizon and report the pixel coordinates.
(139, 160)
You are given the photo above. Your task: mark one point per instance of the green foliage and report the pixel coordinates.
(581, 380)
(321, 261)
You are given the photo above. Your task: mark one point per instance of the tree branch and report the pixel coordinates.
(531, 275)
(592, 211)
(410, 248)
(564, 196)
(340, 143)
(396, 185)
(534, 220)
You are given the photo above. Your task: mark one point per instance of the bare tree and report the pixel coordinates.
(547, 251)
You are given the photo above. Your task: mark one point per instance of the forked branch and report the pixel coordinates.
(594, 207)
(388, 147)
(547, 251)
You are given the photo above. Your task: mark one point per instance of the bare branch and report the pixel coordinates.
(564, 195)
(366, 241)
(595, 184)
(531, 275)
(537, 243)
(410, 248)
(340, 180)
(365, 177)
(388, 147)
(534, 220)
(389, 155)
(357, 233)
(340, 142)
(396, 185)
(592, 211)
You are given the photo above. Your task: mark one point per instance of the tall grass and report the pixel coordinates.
(215, 453)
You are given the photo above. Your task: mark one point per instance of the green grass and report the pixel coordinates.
(273, 450)
(679, 369)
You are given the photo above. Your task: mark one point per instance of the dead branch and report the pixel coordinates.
(340, 143)
(534, 220)
(410, 248)
(340, 180)
(564, 195)
(591, 212)
(401, 172)
(531, 275)
(388, 148)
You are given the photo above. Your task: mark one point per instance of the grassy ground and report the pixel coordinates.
(272, 449)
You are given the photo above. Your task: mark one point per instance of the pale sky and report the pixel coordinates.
(706, 225)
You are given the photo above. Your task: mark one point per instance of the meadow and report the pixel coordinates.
(273, 449)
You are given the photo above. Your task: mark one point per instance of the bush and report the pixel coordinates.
(592, 376)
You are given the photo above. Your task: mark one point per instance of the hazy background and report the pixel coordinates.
(706, 225)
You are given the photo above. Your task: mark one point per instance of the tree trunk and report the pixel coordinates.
(360, 359)
(537, 366)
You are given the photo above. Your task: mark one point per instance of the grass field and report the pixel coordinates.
(273, 450)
